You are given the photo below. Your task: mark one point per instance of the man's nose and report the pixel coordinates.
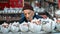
(27, 15)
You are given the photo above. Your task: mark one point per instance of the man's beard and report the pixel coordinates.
(29, 19)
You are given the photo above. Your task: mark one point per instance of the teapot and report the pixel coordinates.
(24, 27)
(15, 27)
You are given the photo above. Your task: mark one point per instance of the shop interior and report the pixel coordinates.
(11, 12)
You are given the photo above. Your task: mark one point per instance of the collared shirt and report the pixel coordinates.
(24, 19)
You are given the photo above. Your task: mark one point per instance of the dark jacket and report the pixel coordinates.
(24, 19)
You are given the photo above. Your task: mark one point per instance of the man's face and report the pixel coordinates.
(28, 14)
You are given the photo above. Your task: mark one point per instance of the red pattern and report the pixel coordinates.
(12, 3)
(59, 4)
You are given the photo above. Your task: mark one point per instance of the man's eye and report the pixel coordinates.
(25, 14)
(28, 13)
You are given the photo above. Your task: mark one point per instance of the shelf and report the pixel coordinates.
(54, 3)
(10, 19)
(3, 2)
(10, 13)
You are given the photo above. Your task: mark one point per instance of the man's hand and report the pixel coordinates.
(37, 21)
(58, 21)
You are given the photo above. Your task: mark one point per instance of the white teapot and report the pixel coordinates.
(0, 28)
(15, 27)
(49, 25)
(24, 27)
(5, 28)
(58, 24)
(33, 26)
